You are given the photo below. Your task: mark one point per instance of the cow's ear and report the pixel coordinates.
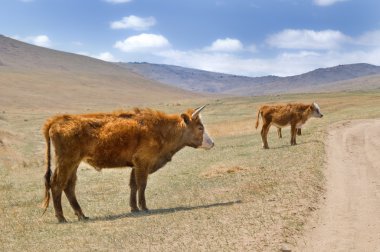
(186, 118)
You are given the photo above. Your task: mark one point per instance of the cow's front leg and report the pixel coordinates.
(133, 186)
(141, 177)
(293, 135)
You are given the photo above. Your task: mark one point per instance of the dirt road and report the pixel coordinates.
(349, 219)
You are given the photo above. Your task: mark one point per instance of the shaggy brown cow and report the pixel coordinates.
(143, 139)
(293, 114)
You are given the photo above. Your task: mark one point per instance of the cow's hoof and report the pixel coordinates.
(83, 218)
(62, 220)
(135, 210)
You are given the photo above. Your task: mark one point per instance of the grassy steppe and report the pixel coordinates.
(236, 196)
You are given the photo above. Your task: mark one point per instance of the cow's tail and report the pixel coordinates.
(258, 118)
(45, 203)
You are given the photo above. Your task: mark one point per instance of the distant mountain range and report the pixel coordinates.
(40, 78)
(336, 78)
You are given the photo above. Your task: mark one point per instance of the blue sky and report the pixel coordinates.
(244, 37)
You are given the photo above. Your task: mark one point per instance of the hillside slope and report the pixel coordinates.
(321, 79)
(194, 79)
(32, 76)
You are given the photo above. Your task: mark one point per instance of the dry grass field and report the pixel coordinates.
(234, 197)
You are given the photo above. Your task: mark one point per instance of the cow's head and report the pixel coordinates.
(316, 111)
(195, 133)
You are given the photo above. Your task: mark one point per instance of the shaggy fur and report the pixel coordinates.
(143, 139)
(293, 114)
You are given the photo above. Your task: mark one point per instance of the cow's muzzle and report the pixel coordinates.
(207, 142)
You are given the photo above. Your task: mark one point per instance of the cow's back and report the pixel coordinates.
(278, 114)
(91, 135)
(282, 115)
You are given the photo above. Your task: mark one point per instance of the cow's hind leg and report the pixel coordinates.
(133, 186)
(70, 194)
(279, 133)
(61, 177)
(56, 191)
(299, 132)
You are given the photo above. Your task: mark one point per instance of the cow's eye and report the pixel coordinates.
(200, 128)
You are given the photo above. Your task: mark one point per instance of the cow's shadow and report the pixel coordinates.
(161, 211)
(298, 143)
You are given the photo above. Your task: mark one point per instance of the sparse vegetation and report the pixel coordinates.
(233, 197)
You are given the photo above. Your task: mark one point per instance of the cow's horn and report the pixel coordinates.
(197, 111)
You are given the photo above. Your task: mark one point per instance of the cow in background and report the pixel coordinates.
(143, 139)
(293, 114)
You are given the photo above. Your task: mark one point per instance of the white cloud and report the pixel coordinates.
(370, 38)
(39, 40)
(118, 1)
(284, 64)
(42, 40)
(134, 22)
(288, 60)
(106, 56)
(143, 43)
(307, 39)
(326, 2)
(223, 63)
(225, 45)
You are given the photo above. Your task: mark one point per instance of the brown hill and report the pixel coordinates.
(36, 77)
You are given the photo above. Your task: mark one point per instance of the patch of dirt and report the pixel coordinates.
(349, 219)
(222, 171)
